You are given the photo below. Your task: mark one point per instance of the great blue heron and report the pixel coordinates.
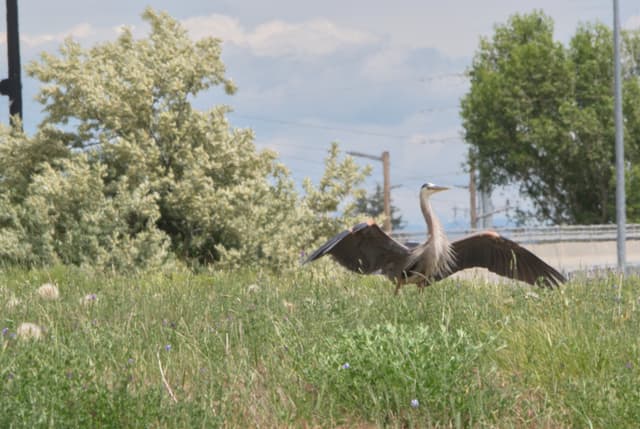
(367, 249)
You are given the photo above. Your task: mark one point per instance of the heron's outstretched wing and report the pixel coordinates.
(365, 248)
(490, 250)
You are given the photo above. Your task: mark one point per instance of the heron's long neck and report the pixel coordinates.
(441, 255)
(433, 224)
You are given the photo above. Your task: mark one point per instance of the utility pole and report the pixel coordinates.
(620, 192)
(387, 191)
(12, 86)
(486, 218)
(473, 210)
(386, 186)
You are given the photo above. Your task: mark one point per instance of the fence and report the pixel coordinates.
(541, 234)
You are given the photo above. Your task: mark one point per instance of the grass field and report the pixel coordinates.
(314, 348)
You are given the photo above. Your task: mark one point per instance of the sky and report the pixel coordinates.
(370, 75)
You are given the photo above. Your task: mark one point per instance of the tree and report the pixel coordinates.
(372, 205)
(124, 172)
(541, 115)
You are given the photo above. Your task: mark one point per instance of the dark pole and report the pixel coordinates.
(12, 86)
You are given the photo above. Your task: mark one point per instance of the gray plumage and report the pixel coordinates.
(367, 249)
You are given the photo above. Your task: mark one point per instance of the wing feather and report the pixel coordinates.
(502, 256)
(365, 248)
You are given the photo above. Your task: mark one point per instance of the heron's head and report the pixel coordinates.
(430, 189)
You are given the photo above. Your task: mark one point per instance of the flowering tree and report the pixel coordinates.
(124, 169)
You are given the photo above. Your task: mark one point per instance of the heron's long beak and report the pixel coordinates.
(436, 188)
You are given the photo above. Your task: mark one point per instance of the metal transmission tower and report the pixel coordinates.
(12, 86)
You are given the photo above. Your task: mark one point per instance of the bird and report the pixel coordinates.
(367, 249)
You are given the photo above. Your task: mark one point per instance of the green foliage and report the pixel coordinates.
(279, 224)
(124, 172)
(541, 115)
(384, 367)
(59, 210)
(249, 348)
(372, 205)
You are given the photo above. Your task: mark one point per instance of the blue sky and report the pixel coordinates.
(373, 76)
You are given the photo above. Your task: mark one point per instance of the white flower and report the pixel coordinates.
(29, 331)
(49, 291)
(13, 302)
(531, 295)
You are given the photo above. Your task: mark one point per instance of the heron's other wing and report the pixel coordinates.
(365, 248)
(490, 250)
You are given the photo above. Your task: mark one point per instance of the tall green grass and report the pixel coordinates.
(316, 348)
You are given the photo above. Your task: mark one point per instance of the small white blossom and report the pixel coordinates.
(13, 302)
(49, 291)
(532, 295)
(29, 331)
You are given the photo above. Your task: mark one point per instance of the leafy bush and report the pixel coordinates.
(66, 217)
(123, 172)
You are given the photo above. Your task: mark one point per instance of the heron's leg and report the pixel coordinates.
(423, 285)
(399, 284)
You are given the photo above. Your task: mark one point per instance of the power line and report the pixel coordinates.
(428, 176)
(322, 127)
(442, 76)
(423, 79)
(275, 145)
(346, 130)
(296, 158)
(438, 109)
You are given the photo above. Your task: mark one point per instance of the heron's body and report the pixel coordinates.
(366, 249)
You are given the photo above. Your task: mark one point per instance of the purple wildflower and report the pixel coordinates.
(415, 403)
(167, 347)
(5, 331)
(346, 365)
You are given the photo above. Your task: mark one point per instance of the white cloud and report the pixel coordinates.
(312, 38)
(221, 26)
(632, 23)
(386, 64)
(80, 31)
